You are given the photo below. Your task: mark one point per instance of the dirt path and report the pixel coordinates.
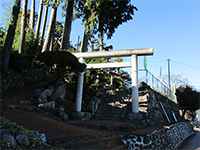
(73, 136)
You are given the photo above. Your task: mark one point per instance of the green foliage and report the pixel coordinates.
(117, 83)
(105, 15)
(31, 44)
(2, 36)
(188, 98)
(57, 35)
(17, 33)
(12, 127)
(53, 3)
(96, 80)
(31, 47)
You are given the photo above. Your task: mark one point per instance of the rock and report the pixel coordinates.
(3, 132)
(39, 136)
(43, 138)
(3, 135)
(23, 139)
(48, 105)
(9, 139)
(60, 92)
(61, 109)
(43, 98)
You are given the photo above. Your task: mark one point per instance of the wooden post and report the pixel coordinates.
(134, 83)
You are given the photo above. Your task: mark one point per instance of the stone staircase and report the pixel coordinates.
(116, 108)
(110, 109)
(143, 101)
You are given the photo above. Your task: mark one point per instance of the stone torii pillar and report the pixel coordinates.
(79, 93)
(134, 53)
(134, 83)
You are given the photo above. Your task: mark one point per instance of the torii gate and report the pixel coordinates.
(133, 53)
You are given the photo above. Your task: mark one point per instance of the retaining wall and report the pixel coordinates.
(167, 138)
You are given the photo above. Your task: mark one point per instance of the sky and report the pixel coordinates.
(172, 27)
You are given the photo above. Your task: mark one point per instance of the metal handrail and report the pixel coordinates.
(157, 84)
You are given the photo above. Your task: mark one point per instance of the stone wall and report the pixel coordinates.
(167, 138)
(15, 137)
(155, 105)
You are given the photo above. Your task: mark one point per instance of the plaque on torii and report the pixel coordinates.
(133, 53)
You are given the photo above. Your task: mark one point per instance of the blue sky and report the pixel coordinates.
(172, 27)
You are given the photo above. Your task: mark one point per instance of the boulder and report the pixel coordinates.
(41, 137)
(9, 139)
(23, 139)
(48, 105)
(59, 92)
(3, 132)
(43, 98)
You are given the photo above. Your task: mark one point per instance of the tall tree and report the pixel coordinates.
(104, 16)
(46, 9)
(10, 34)
(23, 25)
(84, 43)
(32, 16)
(52, 34)
(50, 27)
(101, 38)
(39, 19)
(65, 44)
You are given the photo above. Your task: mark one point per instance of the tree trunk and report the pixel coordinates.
(101, 41)
(23, 26)
(50, 28)
(65, 44)
(51, 45)
(101, 33)
(84, 44)
(10, 35)
(52, 34)
(39, 20)
(44, 22)
(32, 16)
